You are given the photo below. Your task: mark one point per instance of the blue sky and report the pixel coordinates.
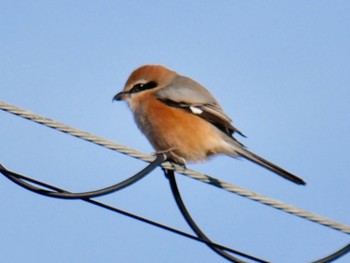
(279, 68)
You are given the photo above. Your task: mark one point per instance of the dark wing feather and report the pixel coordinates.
(215, 115)
(210, 115)
(179, 95)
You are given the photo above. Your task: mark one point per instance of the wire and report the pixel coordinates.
(175, 190)
(17, 178)
(180, 169)
(334, 256)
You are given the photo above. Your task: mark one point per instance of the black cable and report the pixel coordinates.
(341, 252)
(12, 176)
(156, 224)
(66, 195)
(175, 190)
(18, 179)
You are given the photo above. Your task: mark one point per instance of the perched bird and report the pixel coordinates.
(183, 120)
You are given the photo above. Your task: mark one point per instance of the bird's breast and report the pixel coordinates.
(185, 134)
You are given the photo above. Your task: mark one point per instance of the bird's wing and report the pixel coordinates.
(189, 95)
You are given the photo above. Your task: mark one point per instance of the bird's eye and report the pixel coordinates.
(143, 86)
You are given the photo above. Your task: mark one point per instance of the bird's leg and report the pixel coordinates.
(173, 157)
(165, 151)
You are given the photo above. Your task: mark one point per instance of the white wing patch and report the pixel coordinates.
(196, 110)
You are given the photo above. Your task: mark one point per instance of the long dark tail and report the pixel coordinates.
(268, 165)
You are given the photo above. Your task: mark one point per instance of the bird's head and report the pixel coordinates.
(145, 79)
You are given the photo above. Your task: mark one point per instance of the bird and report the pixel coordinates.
(183, 120)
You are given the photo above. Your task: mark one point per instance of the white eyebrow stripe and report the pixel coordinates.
(196, 110)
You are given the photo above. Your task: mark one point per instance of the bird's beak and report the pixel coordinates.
(120, 96)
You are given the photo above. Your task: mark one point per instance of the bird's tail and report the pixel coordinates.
(268, 165)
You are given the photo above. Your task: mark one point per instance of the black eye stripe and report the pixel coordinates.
(143, 86)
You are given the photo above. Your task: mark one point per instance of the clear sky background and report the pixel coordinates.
(281, 70)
